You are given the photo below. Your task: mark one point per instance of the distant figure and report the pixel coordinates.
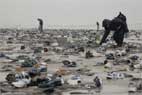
(98, 25)
(119, 25)
(40, 28)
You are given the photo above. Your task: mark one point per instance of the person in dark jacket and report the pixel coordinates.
(119, 25)
(40, 28)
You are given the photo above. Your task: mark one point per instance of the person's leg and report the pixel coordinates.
(119, 37)
(115, 36)
(41, 28)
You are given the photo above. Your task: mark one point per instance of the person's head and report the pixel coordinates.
(39, 19)
(122, 16)
(106, 23)
(120, 13)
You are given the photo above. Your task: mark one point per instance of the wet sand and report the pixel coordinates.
(110, 87)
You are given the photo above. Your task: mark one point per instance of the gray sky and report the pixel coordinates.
(14, 13)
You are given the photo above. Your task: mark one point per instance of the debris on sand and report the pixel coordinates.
(62, 62)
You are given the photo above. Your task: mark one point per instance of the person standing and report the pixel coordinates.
(98, 25)
(40, 28)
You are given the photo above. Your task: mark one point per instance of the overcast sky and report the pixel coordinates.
(14, 13)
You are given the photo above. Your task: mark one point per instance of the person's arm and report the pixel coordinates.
(105, 36)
